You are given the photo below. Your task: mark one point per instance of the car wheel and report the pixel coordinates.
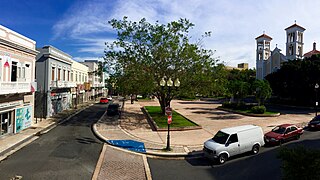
(297, 136)
(255, 149)
(223, 158)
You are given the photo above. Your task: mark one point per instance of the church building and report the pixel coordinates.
(268, 61)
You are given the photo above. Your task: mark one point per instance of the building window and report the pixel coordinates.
(64, 75)
(76, 77)
(59, 74)
(53, 74)
(68, 75)
(72, 76)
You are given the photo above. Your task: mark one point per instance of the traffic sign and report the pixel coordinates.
(168, 111)
(169, 119)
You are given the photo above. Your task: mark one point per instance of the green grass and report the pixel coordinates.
(161, 119)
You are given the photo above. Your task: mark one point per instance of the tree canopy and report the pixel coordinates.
(296, 80)
(144, 53)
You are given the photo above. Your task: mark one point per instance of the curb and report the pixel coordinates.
(44, 130)
(159, 154)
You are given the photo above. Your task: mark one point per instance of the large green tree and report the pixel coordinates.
(144, 53)
(295, 81)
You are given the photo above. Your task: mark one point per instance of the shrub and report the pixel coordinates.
(258, 109)
(230, 105)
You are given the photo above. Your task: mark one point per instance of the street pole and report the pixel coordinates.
(168, 136)
(316, 90)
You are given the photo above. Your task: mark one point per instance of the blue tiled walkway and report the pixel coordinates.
(129, 144)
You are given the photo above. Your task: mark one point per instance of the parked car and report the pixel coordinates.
(283, 133)
(232, 141)
(113, 109)
(104, 100)
(314, 123)
(109, 98)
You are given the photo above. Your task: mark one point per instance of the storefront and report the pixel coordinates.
(14, 117)
(60, 100)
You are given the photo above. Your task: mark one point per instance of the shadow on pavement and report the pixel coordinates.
(200, 102)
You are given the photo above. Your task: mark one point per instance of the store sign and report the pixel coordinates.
(23, 118)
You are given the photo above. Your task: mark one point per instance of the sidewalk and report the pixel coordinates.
(134, 126)
(11, 143)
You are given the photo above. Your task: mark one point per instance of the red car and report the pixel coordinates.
(283, 133)
(104, 100)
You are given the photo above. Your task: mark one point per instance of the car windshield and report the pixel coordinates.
(220, 137)
(279, 130)
(104, 99)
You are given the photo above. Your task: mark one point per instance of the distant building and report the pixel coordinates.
(268, 61)
(314, 51)
(241, 66)
(96, 82)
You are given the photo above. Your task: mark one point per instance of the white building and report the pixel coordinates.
(17, 81)
(268, 61)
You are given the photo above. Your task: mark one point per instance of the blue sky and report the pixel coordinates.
(80, 28)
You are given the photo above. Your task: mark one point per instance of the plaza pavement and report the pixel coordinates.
(133, 125)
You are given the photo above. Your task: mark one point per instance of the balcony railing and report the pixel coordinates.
(62, 84)
(14, 87)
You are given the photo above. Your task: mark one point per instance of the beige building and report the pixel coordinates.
(17, 81)
(79, 74)
(96, 82)
(241, 66)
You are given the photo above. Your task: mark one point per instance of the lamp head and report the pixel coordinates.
(162, 82)
(169, 82)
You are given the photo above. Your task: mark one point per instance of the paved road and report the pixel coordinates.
(265, 165)
(69, 151)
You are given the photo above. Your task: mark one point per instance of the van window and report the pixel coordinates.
(233, 139)
(220, 137)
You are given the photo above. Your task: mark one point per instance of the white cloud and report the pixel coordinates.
(234, 24)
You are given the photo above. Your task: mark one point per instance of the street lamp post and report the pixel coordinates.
(169, 84)
(316, 87)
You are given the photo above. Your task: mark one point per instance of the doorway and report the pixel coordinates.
(6, 122)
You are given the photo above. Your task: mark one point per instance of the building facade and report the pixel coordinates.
(96, 82)
(268, 61)
(17, 81)
(79, 73)
(55, 85)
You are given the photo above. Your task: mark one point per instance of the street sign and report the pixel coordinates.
(169, 119)
(168, 111)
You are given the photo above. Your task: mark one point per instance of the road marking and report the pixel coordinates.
(99, 164)
(146, 167)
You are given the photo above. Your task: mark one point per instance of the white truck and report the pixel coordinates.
(232, 141)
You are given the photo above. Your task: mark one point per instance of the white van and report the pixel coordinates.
(232, 141)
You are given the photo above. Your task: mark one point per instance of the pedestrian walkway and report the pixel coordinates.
(14, 142)
(133, 126)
